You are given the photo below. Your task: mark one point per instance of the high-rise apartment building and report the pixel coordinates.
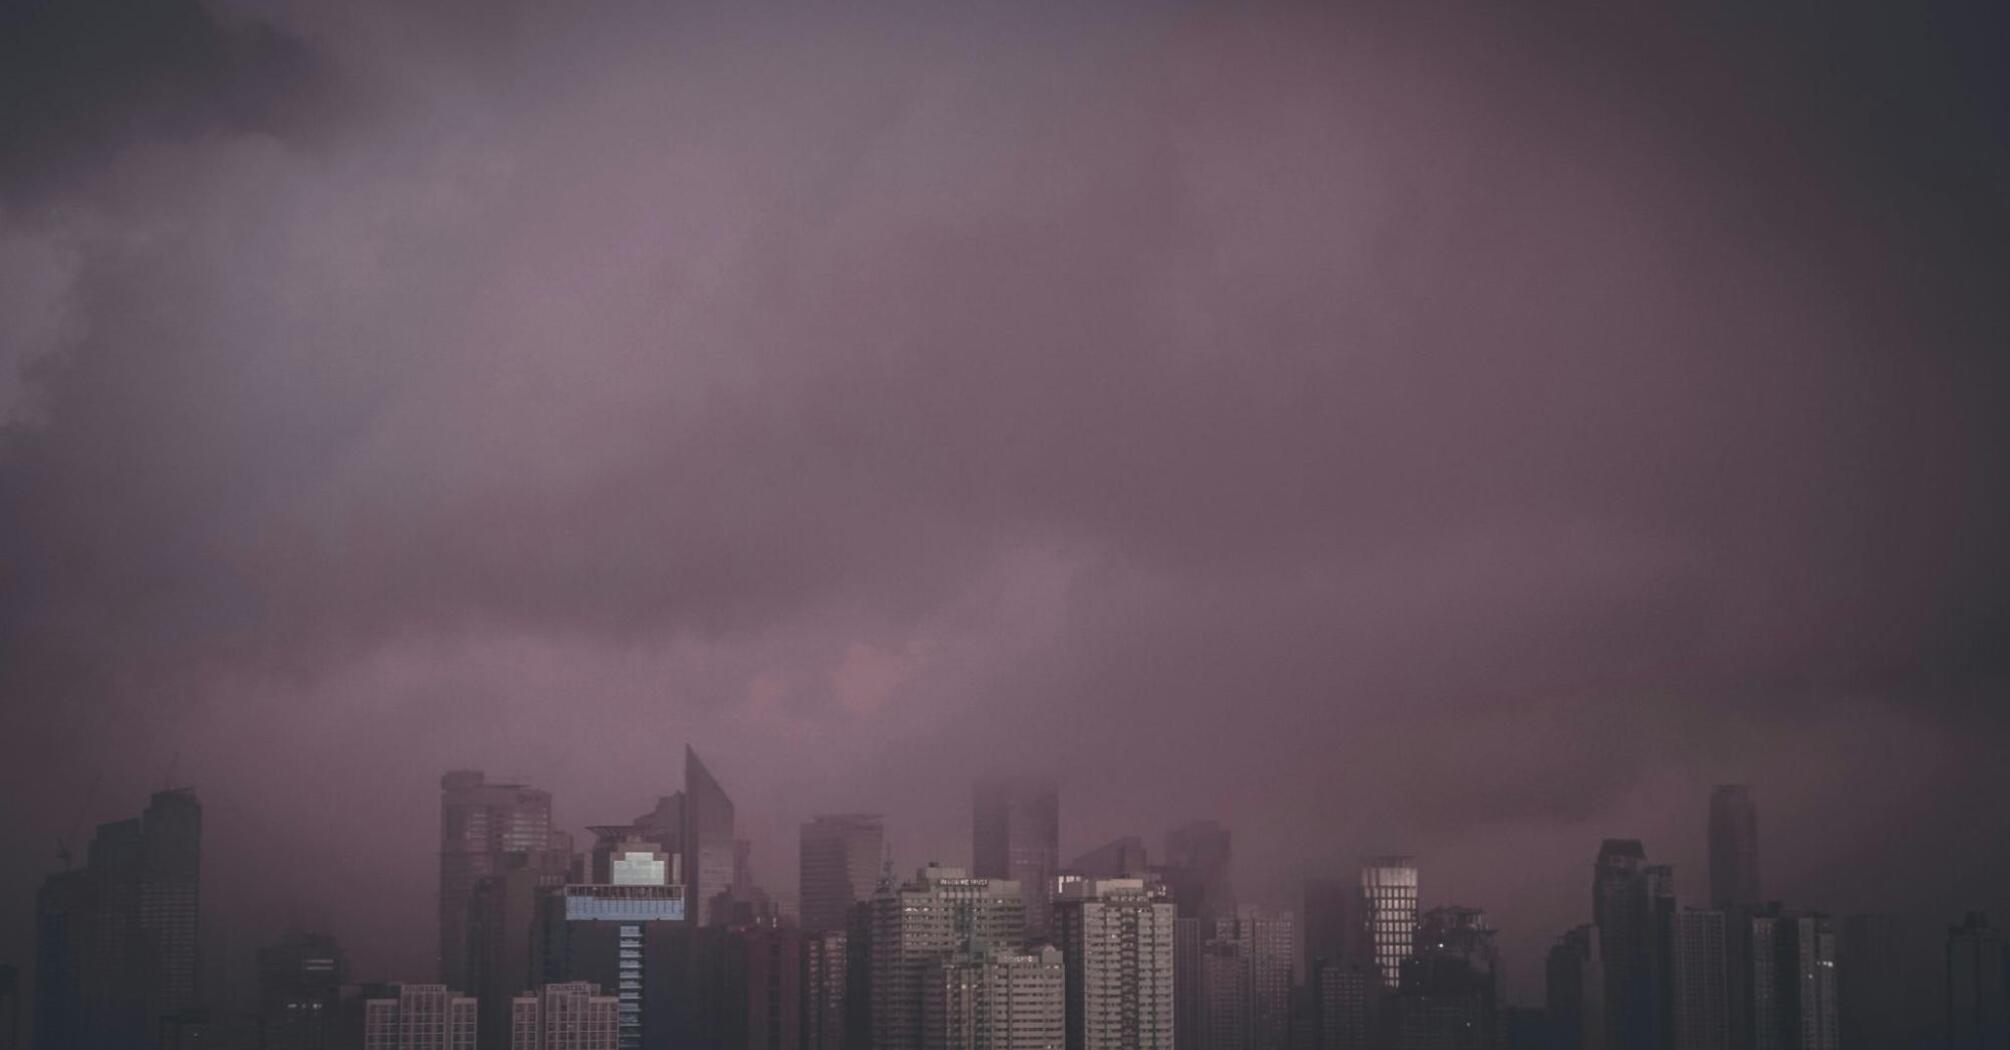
(1270, 945)
(1347, 995)
(1978, 989)
(711, 852)
(1190, 984)
(1734, 848)
(825, 990)
(840, 863)
(939, 915)
(300, 980)
(480, 823)
(1631, 903)
(1016, 835)
(1793, 974)
(116, 941)
(1698, 1010)
(1447, 999)
(1003, 999)
(421, 1017)
(1389, 892)
(1198, 870)
(1225, 997)
(572, 1015)
(1117, 939)
(1574, 987)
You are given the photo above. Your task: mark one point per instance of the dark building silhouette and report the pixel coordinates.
(825, 965)
(1734, 848)
(502, 913)
(1871, 982)
(1197, 870)
(10, 1008)
(1793, 975)
(1447, 996)
(1574, 991)
(480, 824)
(1631, 904)
(1698, 1014)
(839, 866)
(1978, 986)
(1122, 858)
(300, 980)
(1016, 835)
(1335, 922)
(116, 942)
(1347, 995)
(711, 851)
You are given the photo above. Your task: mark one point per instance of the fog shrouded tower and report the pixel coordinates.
(1631, 905)
(710, 851)
(480, 823)
(1734, 847)
(1389, 894)
(1016, 835)
(1197, 869)
(840, 862)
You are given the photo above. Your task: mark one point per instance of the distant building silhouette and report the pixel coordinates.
(1389, 890)
(1632, 903)
(116, 941)
(1871, 982)
(420, 1017)
(10, 1008)
(569, 1016)
(711, 851)
(1978, 986)
(1447, 997)
(300, 979)
(1197, 870)
(1122, 858)
(1016, 835)
(480, 824)
(1117, 939)
(1574, 987)
(839, 866)
(1335, 922)
(1734, 848)
(1348, 994)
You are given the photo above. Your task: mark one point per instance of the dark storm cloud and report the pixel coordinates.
(1450, 431)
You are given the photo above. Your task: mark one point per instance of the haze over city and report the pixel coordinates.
(1465, 433)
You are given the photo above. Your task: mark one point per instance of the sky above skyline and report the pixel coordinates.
(1470, 433)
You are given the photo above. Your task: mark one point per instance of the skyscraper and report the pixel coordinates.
(1016, 835)
(502, 913)
(1122, 858)
(622, 935)
(569, 1016)
(1793, 974)
(1389, 891)
(710, 850)
(1003, 999)
(421, 1017)
(1574, 986)
(939, 915)
(1117, 939)
(1448, 995)
(1698, 1012)
(1630, 902)
(840, 861)
(480, 822)
(1734, 848)
(1871, 982)
(116, 941)
(1198, 870)
(300, 980)
(825, 989)
(1348, 992)
(1336, 925)
(1978, 990)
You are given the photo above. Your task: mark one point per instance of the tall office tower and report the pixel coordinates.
(1449, 989)
(1336, 924)
(1389, 891)
(1978, 997)
(1793, 971)
(823, 983)
(480, 822)
(1698, 1012)
(840, 863)
(1117, 938)
(1574, 986)
(1271, 941)
(621, 935)
(1224, 975)
(421, 1017)
(1630, 903)
(710, 850)
(1348, 993)
(1004, 999)
(1197, 869)
(858, 974)
(1122, 858)
(1189, 982)
(939, 914)
(1734, 847)
(300, 980)
(569, 1016)
(1016, 834)
(1870, 982)
(116, 941)
(502, 912)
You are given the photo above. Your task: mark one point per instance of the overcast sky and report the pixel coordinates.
(1469, 432)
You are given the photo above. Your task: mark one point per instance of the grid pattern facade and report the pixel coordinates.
(568, 1016)
(942, 912)
(1700, 1010)
(422, 1017)
(1004, 1000)
(1389, 893)
(1117, 939)
(825, 989)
